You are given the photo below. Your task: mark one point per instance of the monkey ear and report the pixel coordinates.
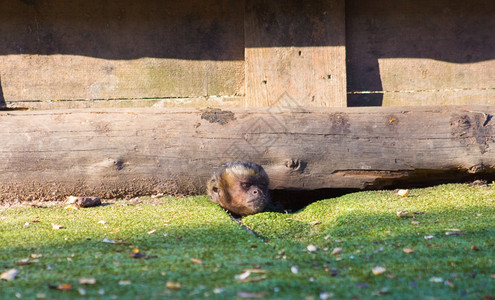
(213, 190)
(215, 193)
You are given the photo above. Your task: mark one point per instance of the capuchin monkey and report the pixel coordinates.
(241, 188)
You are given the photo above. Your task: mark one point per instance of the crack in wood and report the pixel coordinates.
(373, 173)
(419, 91)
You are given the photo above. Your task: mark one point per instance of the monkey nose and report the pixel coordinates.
(256, 192)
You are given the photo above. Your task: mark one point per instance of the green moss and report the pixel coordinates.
(174, 233)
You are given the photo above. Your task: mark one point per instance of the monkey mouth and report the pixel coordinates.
(250, 206)
(257, 202)
(248, 210)
(257, 205)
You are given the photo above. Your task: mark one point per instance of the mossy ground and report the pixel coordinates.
(194, 243)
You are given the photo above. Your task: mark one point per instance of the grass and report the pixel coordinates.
(191, 242)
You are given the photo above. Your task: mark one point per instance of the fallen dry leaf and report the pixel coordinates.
(9, 275)
(196, 261)
(102, 222)
(57, 226)
(436, 279)
(106, 240)
(251, 295)
(294, 269)
(378, 270)
(314, 223)
(311, 248)
(61, 287)
(87, 280)
(403, 193)
(408, 250)
(36, 256)
(475, 248)
(125, 282)
(415, 223)
(64, 287)
(326, 295)
(245, 276)
(403, 214)
(429, 237)
(23, 262)
(337, 251)
(173, 285)
(454, 232)
(152, 231)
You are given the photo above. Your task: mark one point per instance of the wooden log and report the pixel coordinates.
(126, 152)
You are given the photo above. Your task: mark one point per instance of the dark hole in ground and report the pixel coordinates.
(294, 200)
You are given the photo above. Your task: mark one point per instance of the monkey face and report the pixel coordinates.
(246, 196)
(241, 188)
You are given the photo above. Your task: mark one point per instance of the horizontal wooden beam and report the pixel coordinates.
(127, 152)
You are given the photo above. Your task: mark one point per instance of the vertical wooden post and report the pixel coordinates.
(295, 52)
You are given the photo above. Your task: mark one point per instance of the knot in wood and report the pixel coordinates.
(119, 164)
(293, 164)
(216, 115)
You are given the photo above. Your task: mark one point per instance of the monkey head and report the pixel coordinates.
(241, 188)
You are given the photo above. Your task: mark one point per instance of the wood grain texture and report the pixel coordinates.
(127, 152)
(295, 49)
(421, 52)
(74, 50)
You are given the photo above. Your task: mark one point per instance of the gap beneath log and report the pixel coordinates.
(48, 155)
(292, 200)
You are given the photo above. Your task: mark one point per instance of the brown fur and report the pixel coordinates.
(241, 188)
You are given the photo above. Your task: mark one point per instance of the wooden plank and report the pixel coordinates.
(295, 53)
(75, 50)
(127, 152)
(420, 52)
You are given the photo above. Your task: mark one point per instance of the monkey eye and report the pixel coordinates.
(245, 185)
